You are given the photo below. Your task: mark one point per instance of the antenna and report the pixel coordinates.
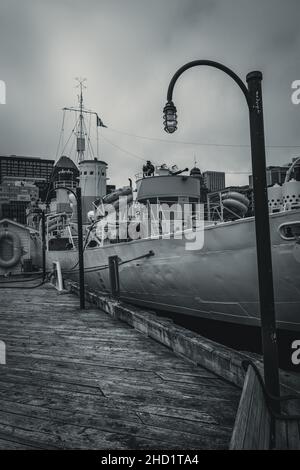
(80, 133)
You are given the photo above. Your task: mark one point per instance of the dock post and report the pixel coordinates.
(80, 248)
(263, 239)
(113, 265)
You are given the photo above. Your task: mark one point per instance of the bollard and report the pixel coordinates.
(57, 269)
(113, 266)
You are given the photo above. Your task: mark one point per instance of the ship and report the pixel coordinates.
(201, 263)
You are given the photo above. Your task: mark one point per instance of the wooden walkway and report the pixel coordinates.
(82, 380)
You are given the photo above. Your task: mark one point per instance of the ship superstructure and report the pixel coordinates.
(203, 251)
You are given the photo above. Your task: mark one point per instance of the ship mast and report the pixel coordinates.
(80, 134)
(80, 129)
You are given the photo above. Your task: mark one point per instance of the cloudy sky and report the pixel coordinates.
(128, 50)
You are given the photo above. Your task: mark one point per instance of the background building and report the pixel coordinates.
(23, 167)
(277, 174)
(22, 181)
(15, 195)
(274, 175)
(214, 180)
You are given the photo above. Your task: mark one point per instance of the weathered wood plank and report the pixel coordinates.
(240, 427)
(293, 435)
(81, 379)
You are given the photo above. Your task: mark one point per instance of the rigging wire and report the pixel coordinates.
(72, 132)
(248, 172)
(92, 269)
(204, 144)
(87, 134)
(61, 135)
(72, 146)
(124, 150)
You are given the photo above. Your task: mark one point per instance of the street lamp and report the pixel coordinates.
(77, 196)
(253, 96)
(170, 117)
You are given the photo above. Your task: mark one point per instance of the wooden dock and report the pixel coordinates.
(83, 380)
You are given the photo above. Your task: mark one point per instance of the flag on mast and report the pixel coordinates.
(99, 122)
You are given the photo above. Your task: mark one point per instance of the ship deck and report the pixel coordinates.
(83, 380)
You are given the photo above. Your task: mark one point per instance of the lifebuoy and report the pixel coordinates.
(236, 202)
(16, 249)
(237, 196)
(235, 205)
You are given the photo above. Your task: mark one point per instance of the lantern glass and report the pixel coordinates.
(170, 129)
(170, 117)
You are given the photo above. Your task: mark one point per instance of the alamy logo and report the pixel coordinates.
(166, 220)
(2, 353)
(296, 353)
(296, 94)
(2, 92)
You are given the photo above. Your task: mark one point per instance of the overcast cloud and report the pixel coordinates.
(128, 50)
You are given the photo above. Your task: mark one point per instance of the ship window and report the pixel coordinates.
(289, 231)
(91, 172)
(85, 172)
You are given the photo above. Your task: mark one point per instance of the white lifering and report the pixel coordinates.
(16, 249)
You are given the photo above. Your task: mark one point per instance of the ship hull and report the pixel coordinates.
(217, 282)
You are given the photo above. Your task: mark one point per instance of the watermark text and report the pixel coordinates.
(2, 92)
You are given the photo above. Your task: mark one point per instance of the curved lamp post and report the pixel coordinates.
(253, 96)
(77, 195)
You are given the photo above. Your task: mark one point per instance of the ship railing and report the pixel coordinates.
(66, 183)
(55, 223)
(139, 176)
(160, 220)
(73, 238)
